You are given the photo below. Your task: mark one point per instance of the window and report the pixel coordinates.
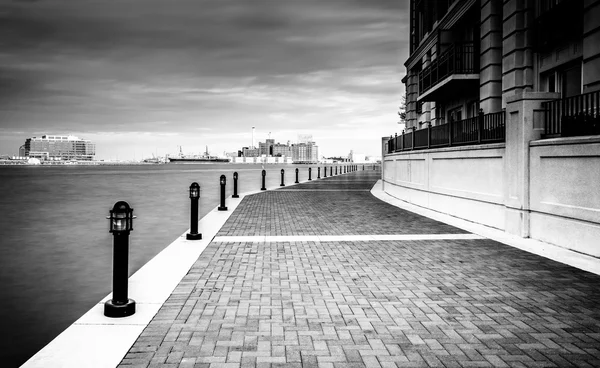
(565, 79)
(473, 109)
(571, 81)
(455, 114)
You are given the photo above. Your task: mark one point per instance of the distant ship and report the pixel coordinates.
(181, 158)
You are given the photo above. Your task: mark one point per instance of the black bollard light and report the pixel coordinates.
(296, 182)
(331, 171)
(235, 178)
(264, 173)
(282, 174)
(336, 170)
(194, 197)
(222, 181)
(121, 224)
(318, 173)
(325, 172)
(309, 173)
(363, 167)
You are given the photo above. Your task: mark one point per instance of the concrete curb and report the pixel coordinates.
(550, 251)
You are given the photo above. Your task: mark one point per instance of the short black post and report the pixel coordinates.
(296, 182)
(318, 173)
(222, 181)
(121, 224)
(309, 173)
(331, 171)
(264, 173)
(194, 197)
(363, 167)
(235, 178)
(325, 172)
(282, 178)
(336, 170)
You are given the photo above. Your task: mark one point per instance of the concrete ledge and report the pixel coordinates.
(98, 341)
(553, 252)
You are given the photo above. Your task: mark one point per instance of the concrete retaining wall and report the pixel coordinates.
(466, 182)
(471, 183)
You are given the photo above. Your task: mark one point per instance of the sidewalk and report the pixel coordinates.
(323, 274)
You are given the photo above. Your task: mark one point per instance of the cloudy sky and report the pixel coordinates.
(146, 76)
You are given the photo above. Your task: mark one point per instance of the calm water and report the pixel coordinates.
(55, 248)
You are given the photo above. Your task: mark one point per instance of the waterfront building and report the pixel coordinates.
(503, 117)
(58, 147)
(250, 152)
(281, 150)
(305, 152)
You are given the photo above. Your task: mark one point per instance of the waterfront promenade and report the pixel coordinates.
(324, 274)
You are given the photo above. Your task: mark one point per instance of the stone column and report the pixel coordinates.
(591, 46)
(490, 74)
(517, 51)
(524, 123)
(412, 92)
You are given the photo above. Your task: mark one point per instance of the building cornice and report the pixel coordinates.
(453, 15)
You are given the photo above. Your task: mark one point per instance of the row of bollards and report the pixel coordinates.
(121, 224)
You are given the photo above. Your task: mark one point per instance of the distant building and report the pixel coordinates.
(250, 152)
(305, 152)
(58, 147)
(282, 150)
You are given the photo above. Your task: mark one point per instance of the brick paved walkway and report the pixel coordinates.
(426, 303)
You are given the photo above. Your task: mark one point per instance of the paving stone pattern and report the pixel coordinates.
(298, 212)
(442, 303)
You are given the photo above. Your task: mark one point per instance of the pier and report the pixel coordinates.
(329, 273)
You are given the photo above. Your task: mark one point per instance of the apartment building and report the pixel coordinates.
(503, 117)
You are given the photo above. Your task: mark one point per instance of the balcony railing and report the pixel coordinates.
(573, 116)
(458, 59)
(484, 128)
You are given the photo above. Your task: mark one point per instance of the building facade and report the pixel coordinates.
(470, 56)
(59, 147)
(305, 152)
(503, 117)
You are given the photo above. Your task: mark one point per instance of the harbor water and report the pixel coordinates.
(55, 248)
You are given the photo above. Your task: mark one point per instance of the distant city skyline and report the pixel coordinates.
(141, 78)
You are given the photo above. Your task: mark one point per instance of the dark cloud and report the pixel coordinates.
(111, 65)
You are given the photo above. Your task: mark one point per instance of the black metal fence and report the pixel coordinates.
(484, 128)
(459, 58)
(573, 116)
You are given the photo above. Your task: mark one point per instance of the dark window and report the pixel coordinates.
(571, 81)
(455, 114)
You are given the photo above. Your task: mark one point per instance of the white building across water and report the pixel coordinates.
(58, 147)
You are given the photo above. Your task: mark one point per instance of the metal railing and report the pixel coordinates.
(573, 116)
(458, 59)
(484, 128)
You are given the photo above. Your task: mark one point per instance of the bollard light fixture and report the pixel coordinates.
(121, 218)
(222, 181)
(194, 191)
(121, 224)
(194, 197)
(235, 185)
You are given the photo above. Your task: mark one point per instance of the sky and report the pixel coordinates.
(144, 77)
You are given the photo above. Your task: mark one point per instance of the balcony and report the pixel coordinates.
(456, 68)
(573, 116)
(484, 128)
